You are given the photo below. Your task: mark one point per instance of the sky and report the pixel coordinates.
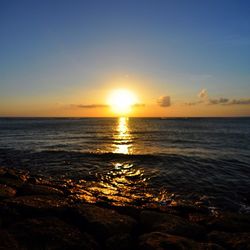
(179, 57)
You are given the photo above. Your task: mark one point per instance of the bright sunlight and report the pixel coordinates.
(121, 101)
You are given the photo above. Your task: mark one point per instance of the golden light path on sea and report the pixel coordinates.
(124, 182)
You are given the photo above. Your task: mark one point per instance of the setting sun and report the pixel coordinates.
(121, 101)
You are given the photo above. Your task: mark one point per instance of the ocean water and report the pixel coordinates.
(137, 160)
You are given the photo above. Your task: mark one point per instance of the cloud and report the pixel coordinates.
(193, 103)
(218, 101)
(139, 105)
(164, 101)
(239, 102)
(91, 106)
(226, 101)
(203, 94)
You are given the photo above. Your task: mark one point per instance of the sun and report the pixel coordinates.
(121, 101)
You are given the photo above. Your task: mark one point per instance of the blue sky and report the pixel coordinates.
(181, 47)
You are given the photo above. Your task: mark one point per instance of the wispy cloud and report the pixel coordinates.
(218, 101)
(93, 106)
(204, 99)
(193, 103)
(164, 101)
(138, 105)
(90, 106)
(203, 94)
(226, 101)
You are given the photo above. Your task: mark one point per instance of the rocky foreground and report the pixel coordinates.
(37, 214)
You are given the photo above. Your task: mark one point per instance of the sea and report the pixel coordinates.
(136, 161)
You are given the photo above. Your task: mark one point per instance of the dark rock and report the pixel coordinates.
(103, 222)
(209, 246)
(239, 241)
(201, 219)
(50, 233)
(162, 241)
(2, 171)
(120, 242)
(185, 209)
(6, 192)
(7, 241)
(38, 204)
(171, 224)
(16, 183)
(13, 178)
(30, 189)
(231, 222)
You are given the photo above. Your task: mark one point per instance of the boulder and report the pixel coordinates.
(41, 204)
(230, 222)
(238, 241)
(50, 233)
(103, 222)
(6, 192)
(30, 189)
(120, 242)
(163, 241)
(13, 178)
(170, 224)
(7, 241)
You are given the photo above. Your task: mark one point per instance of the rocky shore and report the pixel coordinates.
(38, 214)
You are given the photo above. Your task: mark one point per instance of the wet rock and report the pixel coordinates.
(8, 214)
(7, 241)
(2, 171)
(30, 189)
(6, 192)
(120, 242)
(171, 224)
(41, 204)
(201, 219)
(13, 178)
(50, 233)
(231, 222)
(209, 246)
(163, 241)
(185, 209)
(239, 241)
(103, 222)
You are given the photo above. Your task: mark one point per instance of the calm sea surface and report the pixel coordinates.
(137, 161)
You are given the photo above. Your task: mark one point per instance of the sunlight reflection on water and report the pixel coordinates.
(122, 138)
(124, 182)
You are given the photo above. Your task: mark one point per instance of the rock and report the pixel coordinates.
(162, 241)
(38, 204)
(185, 209)
(103, 222)
(201, 219)
(209, 246)
(50, 233)
(119, 242)
(231, 240)
(2, 171)
(7, 241)
(171, 224)
(6, 192)
(13, 178)
(29, 189)
(231, 222)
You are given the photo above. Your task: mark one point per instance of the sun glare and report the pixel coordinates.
(121, 101)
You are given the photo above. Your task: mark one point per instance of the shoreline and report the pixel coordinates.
(38, 214)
